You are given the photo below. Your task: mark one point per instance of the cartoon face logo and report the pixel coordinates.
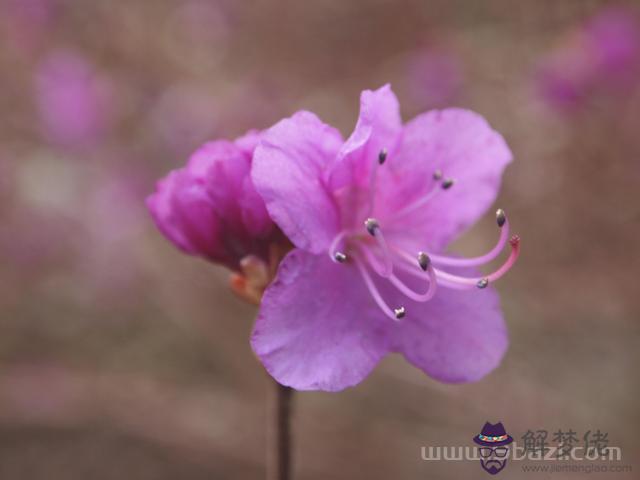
(494, 447)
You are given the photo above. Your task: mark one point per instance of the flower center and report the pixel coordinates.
(370, 252)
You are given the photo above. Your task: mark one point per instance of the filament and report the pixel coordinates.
(400, 285)
(475, 261)
(458, 282)
(375, 294)
(333, 248)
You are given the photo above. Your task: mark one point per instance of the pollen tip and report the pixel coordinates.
(399, 312)
(437, 175)
(423, 260)
(448, 183)
(382, 156)
(371, 224)
(482, 283)
(340, 257)
(515, 240)
(501, 217)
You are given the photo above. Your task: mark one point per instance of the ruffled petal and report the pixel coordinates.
(210, 208)
(287, 172)
(462, 145)
(222, 167)
(379, 127)
(182, 211)
(318, 328)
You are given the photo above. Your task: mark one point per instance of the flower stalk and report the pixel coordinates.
(279, 441)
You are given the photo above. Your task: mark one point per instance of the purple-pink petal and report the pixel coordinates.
(287, 173)
(211, 208)
(458, 336)
(318, 328)
(379, 126)
(464, 147)
(182, 211)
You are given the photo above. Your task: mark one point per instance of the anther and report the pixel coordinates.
(448, 183)
(514, 241)
(437, 175)
(501, 217)
(399, 312)
(382, 156)
(482, 283)
(423, 261)
(340, 257)
(372, 225)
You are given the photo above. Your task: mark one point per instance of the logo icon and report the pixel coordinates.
(494, 447)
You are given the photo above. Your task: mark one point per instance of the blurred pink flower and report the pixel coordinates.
(27, 22)
(601, 56)
(74, 103)
(435, 77)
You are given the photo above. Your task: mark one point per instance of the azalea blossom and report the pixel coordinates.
(370, 218)
(210, 209)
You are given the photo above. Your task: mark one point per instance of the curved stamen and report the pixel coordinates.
(373, 227)
(334, 253)
(482, 282)
(399, 284)
(503, 223)
(420, 202)
(457, 282)
(373, 179)
(340, 257)
(448, 183)
(395, 314)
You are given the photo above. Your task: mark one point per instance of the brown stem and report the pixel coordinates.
(279, 433)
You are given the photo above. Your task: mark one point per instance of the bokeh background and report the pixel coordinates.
(122, 358)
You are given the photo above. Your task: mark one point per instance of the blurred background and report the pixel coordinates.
(122, 358)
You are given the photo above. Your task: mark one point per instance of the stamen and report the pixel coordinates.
(448, 183)
(333, 248)
(399, 284)
(382, 156)
(373, 179)
(374, 292)
(373, 227)
(340, 257)
(437, 176)
(492, 277)
(457, 282)
(501, 217)
(424, 261)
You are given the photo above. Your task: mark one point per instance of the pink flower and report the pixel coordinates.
(210, 208)
(370, 217)
(73, 101)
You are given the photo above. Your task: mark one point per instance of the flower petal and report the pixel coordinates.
(182, 211)
(318, 328)
(458, 336)
(287, 172)
(464, 147)
(379, 127)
